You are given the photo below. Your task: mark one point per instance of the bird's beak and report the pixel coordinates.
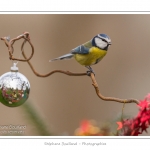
(109, 44)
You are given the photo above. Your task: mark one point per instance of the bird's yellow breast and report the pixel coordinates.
(95, 55)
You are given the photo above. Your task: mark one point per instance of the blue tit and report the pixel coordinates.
(89, 53)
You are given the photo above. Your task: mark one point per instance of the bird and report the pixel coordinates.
(89, 53)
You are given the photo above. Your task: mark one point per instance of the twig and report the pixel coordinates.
(50, 73)
(10, 43)
(110, 98)
(26, 37)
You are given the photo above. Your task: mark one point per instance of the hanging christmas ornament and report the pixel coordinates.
(14, 88)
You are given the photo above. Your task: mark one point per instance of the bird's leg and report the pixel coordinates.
(90, 70)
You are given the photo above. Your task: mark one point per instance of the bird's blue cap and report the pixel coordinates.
(104, 35)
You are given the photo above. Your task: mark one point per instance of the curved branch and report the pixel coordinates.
(26, 38)
(110, 98)
(50, 73)
(10, 43)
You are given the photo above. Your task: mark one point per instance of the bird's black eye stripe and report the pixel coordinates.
(104, 40)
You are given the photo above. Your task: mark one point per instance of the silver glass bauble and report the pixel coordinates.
(14, 88)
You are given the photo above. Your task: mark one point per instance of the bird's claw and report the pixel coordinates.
(89, 73)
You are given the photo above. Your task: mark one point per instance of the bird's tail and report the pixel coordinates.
(67, 56)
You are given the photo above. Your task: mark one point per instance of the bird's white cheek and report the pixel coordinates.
(100, 43)
(103, 45)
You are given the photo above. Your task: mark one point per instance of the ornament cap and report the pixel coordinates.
(14, 68)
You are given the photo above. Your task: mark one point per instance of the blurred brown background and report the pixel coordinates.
(63, 101)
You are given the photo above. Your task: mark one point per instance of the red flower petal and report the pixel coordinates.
(143, 104)
(120, 125)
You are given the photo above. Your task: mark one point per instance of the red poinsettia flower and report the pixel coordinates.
(138, 124)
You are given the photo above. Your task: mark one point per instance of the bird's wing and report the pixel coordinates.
(82, 49)
(88, 44)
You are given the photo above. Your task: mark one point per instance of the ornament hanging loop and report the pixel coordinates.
(9, 43)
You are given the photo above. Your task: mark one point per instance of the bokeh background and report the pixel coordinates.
(61, 102)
